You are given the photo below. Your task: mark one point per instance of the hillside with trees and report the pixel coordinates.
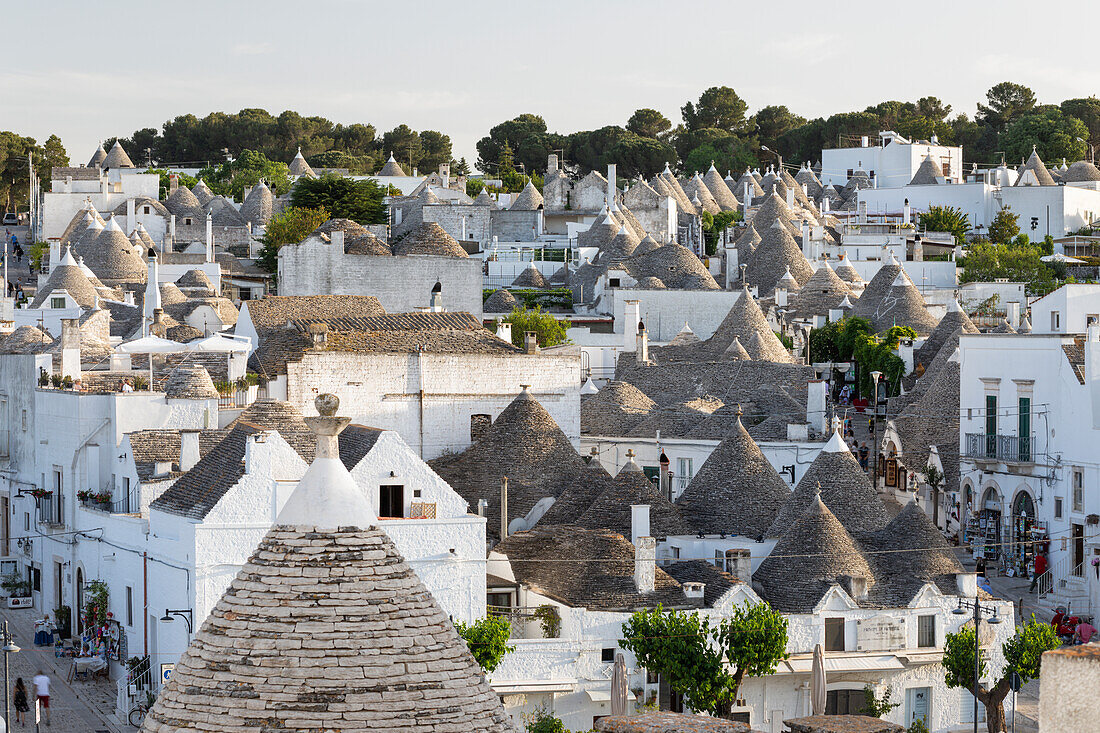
(359, 147)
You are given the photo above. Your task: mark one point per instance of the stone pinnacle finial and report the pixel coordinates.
(327, 404)
(327, 426)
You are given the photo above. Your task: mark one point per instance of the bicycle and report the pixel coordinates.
(137, 714)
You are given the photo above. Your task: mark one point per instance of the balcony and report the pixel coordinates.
(1004, 448)
(541, 622)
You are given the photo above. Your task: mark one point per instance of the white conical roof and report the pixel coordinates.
(835, 444)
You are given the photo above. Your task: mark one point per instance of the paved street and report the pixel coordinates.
(81, 707)
(1027, 702)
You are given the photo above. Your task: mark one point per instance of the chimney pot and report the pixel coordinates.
(645, 564)
(530, 342)
(319, 334)
(189, 449)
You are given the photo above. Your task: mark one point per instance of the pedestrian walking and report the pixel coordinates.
(42, 693)
(864, 455)
(1040, 568)
(19, 697)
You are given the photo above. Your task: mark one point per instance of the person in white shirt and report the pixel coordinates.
(42, 692)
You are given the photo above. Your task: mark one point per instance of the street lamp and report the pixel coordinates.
(778, 157)
(875, 376)
(9, 648)
(184, 613)
(1092, 150)
(977, 607)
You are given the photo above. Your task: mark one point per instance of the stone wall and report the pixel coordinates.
(478, 224)
(515, 226)
(401, 284)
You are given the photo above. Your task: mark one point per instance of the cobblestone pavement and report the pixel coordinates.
(1027, 700)
(79, 707)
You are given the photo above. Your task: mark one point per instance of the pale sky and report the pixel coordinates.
(88, 71)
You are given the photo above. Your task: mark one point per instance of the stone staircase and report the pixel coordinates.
(1067, 586)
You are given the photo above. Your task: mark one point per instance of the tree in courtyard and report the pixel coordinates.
(946, 219)
(719, 108)
(1022, 655)
(487, 639)
(289, 226)
(343, 198)
(986, 261)
(647, 122)
(704, 661)
(1005, 226)
(550, 331)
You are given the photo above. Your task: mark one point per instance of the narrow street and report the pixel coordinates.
(77, 707)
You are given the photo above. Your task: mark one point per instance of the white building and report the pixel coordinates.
(1030, 416)
(892, 162)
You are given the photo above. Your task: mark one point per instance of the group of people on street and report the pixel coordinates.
(41, 684)
(1072, 629)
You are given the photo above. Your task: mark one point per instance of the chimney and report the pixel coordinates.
(551, 162)
(128, 297)
(158, 315)
(152, 287)
(209, 238)
(631, 318)
(645, 564)
(503, 507)
(855, 585)
(482, 505)
(905, 212)
(189, 449)
(863, 143)
(739, 564)
(68, 184)
(173, 183)
(748, 194)
(318, 332)
(171, 232)
(806, 241)
(504, 330)
(70, 347)
(131, 215)
(694, 591)
(530, 342)
(665, 481)
(815, 405)
(437, 298)
(612, 204)
(639, 522)
(55, 253)
(445, 174)
(244, 194)
(594, 457)
(336, 237)
(966, 584)
(781, 297)
(790, 197)
(824, 204)
(641, 351)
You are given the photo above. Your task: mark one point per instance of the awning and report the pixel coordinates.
(518, 687)
(861, 663)
(605, 695)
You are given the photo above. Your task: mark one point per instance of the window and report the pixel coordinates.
(36, 579)
(57, 302)
(1078, 489)
(499, 600)
(674, 552)
(187, 220)
(844, 702)
(991, 414)
(1055, 320)
(145, 209)
(1057, 507)
(607, 654)
(129, 606)
(834, 634)
(391, 501)
(685, 468)
(1023, 429)
(26, 521)
(945, 164)
(613, 282)
(926, 631)
(479, 426)
(719, 559)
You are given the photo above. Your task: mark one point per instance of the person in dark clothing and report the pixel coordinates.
(19, 698)
(864, 454)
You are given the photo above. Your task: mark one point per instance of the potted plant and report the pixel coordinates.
(41, 493)
(55, 380)
(67, 382)
(63, 617)
(140, 383)
(18, 590)
(103, 498)
(43, 377)
(85, 496)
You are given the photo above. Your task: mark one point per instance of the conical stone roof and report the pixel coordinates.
(622, 245)
(747, 243)
(501, 301)
(530, 278)
(117, 158)
(203, 193)
(600, 233)
(736, 490)
(744, 320)
(611, 509)
(182, 202)
(391, 168)
(111, 256)
(98, 157)
(1080, 172)
(529, 199)
(299, 166)
(223, 213)
(735, 351)
(1039, 173)
(524, 444)
(824, 291)
(777, 253)
(814, 554)
(903, 306)
(190, 382)
(720, 191)
(846, 272)
(259, 205)
(685, 337)
(754, 185)
(68, 276)
(484, 199)
(844, 487)
(809, 179)
(928, 174)
(696, 189)
(78, 225)
(429, 238)
(952, 322)
(615, 410)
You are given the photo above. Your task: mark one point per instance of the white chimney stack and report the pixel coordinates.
(612, 204)
(189, 449)
(645, 564)
(504, 330)
(781, 297)
(70, 347)
(209, 238)
(639, 522)
(905, 212)
(131, 213)
(815, 405)
(632, 316)
(790, 197)
(641, 351)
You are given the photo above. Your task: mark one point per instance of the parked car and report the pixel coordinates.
(11, 219)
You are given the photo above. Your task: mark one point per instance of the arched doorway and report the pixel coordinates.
(78, 612)
(990, 535)
(1025, 531)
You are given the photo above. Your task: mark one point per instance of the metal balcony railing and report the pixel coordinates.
(993, 447)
